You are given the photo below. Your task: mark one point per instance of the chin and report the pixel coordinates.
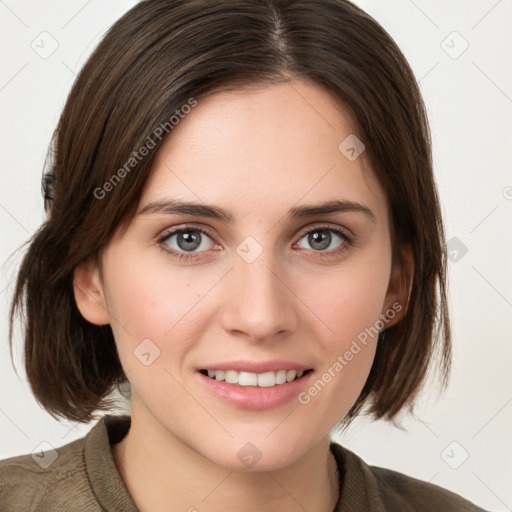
(260, 454)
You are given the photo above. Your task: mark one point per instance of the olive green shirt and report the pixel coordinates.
(82, 476)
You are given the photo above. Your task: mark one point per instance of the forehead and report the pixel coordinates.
(263, 149)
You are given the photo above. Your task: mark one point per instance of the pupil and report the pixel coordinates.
(323, 239)
(188, 241)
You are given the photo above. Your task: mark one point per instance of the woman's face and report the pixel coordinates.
(265, 286)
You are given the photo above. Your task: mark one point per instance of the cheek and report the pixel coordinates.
(148, 298)
(349, 301)
(347, 307)
(149, 302)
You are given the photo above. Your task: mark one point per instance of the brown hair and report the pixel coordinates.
(150, 63)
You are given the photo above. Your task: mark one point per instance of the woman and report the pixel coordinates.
(237, 230)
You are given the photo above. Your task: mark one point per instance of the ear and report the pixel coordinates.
(88, 291)
(400, 286)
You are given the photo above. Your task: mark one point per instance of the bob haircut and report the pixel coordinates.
(161, 56)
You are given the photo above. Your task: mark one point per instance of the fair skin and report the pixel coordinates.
(256, 153)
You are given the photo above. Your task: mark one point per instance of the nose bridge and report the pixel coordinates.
(259, 302)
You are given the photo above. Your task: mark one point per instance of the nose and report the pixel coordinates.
(260, 303)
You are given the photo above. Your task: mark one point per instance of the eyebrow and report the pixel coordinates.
(173, 206)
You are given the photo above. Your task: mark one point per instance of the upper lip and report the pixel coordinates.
(256, 367)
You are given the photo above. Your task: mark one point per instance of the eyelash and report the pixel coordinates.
(347, 241)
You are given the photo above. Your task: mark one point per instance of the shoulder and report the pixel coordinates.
(422, 496)
(382, 489)
(54, 479)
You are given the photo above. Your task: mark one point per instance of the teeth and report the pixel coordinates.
(247, 379)
(231, 377)
(262, 380)
(266, 380)
(290, 375)
(281, 377)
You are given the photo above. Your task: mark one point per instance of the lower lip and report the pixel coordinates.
(253, 397)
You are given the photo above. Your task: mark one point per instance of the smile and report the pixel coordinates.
(262, 380)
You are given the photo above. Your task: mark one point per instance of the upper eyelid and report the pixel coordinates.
(326, 227)
(190, 227)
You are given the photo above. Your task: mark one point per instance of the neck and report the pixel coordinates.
(162, 473)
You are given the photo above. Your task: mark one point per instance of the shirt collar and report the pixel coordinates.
(359, 490)
(106, 482)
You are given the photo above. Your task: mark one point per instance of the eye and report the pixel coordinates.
(184, 243)
(180, 242)
(327, 237)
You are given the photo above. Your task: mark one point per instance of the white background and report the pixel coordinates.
(469, 100)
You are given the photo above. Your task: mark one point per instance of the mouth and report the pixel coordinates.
(269, 385)
(261, 380)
